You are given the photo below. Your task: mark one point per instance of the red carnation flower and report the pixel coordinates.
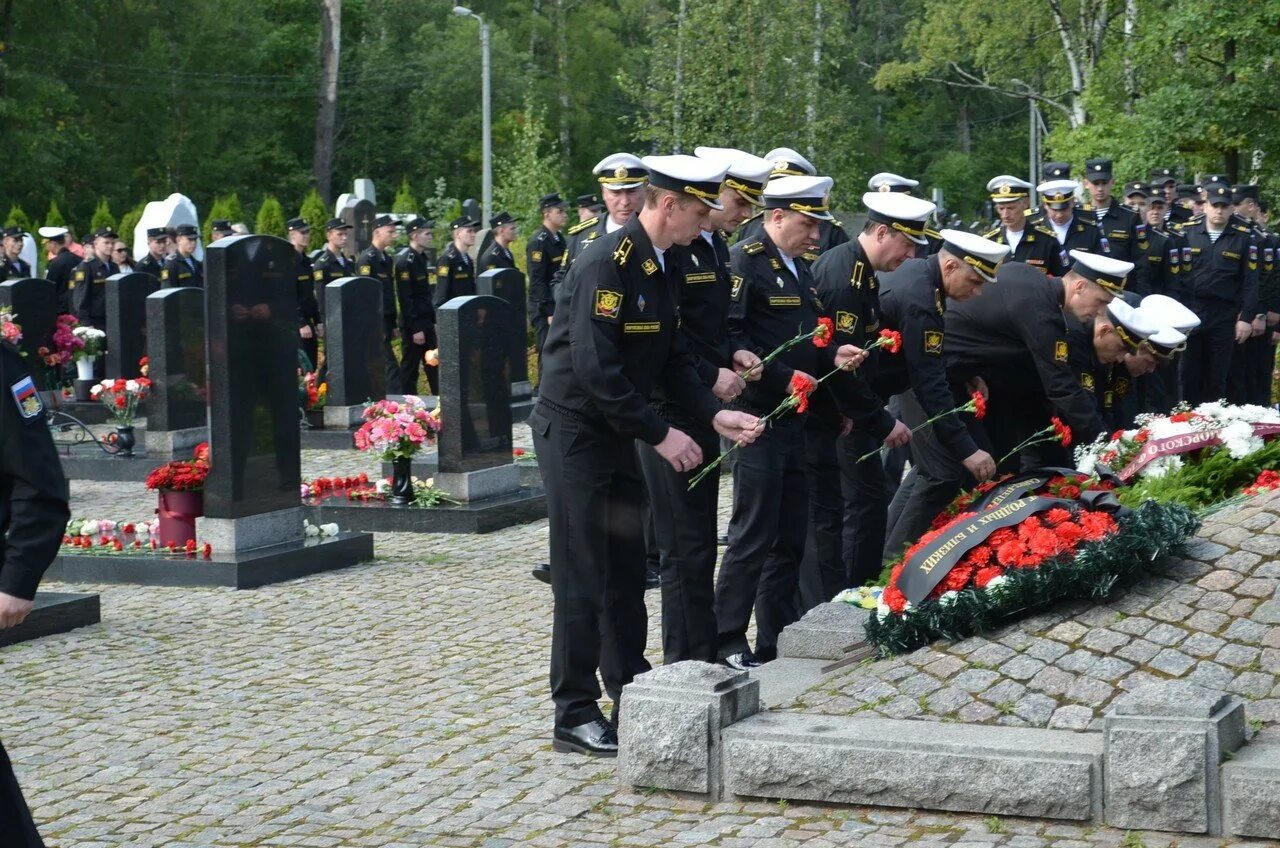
(1061, 431)
(979, 406)
(824, 332)
(983, 576)
(892, 340)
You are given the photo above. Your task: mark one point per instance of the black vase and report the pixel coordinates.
(401, 482)
(125, 441)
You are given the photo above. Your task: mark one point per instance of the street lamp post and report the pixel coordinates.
(487, 141)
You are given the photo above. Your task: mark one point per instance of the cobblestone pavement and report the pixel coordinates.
(398, 703)
(1210, 618)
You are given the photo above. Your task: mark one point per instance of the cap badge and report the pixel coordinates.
(884, 187)
(620, 172)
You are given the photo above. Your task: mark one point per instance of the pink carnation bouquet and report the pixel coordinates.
(397, 429)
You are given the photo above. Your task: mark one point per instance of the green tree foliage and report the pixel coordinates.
(529, 171)
(270, 220)
(129, 222)
(53, 218)
(405, 203)
(102, 217)
(315, 213)
(228, 94)
(17, 218)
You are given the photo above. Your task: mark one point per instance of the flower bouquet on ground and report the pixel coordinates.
(181, 487)
(396, 431)
(1196, 457)
(313, 394)
(423, 493)
(121, 398)
(10, 329)
(104, 537)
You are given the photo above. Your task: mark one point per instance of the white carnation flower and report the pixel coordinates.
(329, 529)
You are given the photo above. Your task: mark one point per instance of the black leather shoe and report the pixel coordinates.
(652, 579)
(742, 661)
(596, 738)
(542, 571)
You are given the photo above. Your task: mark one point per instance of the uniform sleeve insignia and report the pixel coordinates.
(536, 256)
(365, 270)
(753, 248)
(1186, 254)
(623, 252)
(79, 276)
(846, 321)
(608, 304)
(1173, 255)
(736, 289)
(28, 399)
(1060, 350)
(650, 267)
(164, 275)
(1086, 380)
(1253, 253)
(933, 342)
(442, 270)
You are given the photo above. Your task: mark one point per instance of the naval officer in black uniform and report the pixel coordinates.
(614, 339)
(1029, 241)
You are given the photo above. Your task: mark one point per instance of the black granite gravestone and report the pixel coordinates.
(175, 348)
(35, 303)
(127, 322)
(252, 349)
(508, 284)
(353, 341)
(360, 216)
(475, 383)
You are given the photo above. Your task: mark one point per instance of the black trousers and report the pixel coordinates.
(597, 560)
(894, 459)
(1206, 363)
(937, 476)
(822, 570)
(540, 330)
(761, 564)
(866, 507)
(1262, 362)
(411, 361)
(17, 828)
(684, 531)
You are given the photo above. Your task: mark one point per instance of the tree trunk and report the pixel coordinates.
(562, 83)
(1127, 45)
(327, 111)
(964, 139)
(677, 108)
(815, 75)
(1230, 156)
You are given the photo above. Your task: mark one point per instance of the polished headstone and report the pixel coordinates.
(176, 350)
(508, 284)
(359, 215)
(35, 302)
(475, 383)
(353, 341)
(127, 322)
(252, 350)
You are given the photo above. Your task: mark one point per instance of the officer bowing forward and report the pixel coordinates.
(614, 340)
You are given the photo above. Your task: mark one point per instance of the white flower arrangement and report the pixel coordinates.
(95, 342)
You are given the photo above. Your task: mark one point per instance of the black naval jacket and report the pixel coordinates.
(1082, 234)
(308, 308)
(33, 491)
(849, 290)
(1223, 282)
(455, 276)
(1038, 246)
(771, 306)
(178, 272)
(913, 302)
(543, 258)
(89, 279)
(617, 340)
(1015, 337)
(414, 278)
(325, 268)
(148, 264)
(705, 284)
(1123, 230)
(377, 264)
(830, 234)
(496, 256)
(59, 272)
(14, 269)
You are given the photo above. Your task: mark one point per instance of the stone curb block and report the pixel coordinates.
(899, 763)
(1164, 744)
(830, 631)
(671, 720)
(1251, 792)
